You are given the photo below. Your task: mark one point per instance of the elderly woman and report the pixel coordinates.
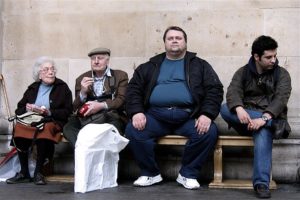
(52, 98)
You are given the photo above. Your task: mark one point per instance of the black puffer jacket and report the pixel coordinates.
(203, 82)
(261, 92)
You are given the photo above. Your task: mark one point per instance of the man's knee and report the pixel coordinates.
(66, 130)
(213, 132)
(263, 136)
(129, 131)
(225, 112)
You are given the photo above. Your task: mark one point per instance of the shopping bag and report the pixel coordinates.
(96, 157)
(12, 166)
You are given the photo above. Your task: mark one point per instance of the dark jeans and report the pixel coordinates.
(161, 122)
(263, 141)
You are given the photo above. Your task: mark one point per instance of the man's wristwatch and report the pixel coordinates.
(265, 118)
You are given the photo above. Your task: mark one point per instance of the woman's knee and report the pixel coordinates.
(22, 143)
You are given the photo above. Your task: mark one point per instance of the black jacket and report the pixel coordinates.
(203, 83)
(60, 100)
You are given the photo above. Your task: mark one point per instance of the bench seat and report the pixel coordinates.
(218, 182)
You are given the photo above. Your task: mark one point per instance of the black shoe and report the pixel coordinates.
(262, 191)
(39, 179)
(19, 178)
(278, 127)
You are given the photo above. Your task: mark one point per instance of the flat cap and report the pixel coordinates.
(99, 50)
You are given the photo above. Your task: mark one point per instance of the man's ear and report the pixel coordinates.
(256, 57)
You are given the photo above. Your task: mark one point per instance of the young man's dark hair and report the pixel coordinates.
(176, 28)
(263, 43)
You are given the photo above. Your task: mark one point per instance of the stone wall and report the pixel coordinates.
(1, 33)
(220, 31)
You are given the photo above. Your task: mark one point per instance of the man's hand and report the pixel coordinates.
(139, 121)
(86, 82)
(94, 107)
(243, 115)
(256, 124)
(202, 124)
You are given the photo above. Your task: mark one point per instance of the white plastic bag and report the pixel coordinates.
(12, 166)
(96, 157)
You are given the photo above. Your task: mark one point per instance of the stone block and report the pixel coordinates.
(210, 33)
(283, 24)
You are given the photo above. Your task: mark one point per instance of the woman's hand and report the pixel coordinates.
(34, 108)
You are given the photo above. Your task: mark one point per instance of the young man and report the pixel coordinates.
(175, 92)
(256, 105)
(100, 89)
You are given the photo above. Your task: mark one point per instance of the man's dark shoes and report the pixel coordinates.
(262, 191)
(19, 178)
(39, 179)
(279, 128)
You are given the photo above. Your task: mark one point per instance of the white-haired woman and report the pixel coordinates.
(52, 98)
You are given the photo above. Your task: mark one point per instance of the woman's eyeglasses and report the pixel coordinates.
(47, 69)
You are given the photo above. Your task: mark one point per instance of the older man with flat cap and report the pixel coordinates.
(99, 90)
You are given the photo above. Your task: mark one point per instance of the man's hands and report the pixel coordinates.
(256, 124)
(86, 83)
(202, 124)
(139, 121)
(253, 124)
(94, 107)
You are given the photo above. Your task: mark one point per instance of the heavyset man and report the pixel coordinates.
(174, 92)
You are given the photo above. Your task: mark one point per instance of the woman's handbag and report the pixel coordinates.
(32, 119)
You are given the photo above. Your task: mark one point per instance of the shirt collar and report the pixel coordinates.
(106, 73)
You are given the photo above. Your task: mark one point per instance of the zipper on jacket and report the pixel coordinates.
(152, 83)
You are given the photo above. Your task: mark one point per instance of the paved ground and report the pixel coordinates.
(168, 190)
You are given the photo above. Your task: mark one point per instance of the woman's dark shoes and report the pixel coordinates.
(279, 128)
(19, 178)
(39, 179)
(262, 191)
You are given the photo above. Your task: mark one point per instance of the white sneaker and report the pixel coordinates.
(147, 180)
(188, 183)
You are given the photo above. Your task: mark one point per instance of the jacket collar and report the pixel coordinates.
(252, 66)
(160, 57)
(36, 84)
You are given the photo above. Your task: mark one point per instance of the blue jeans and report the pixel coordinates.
(263, 141)
(161, 122)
